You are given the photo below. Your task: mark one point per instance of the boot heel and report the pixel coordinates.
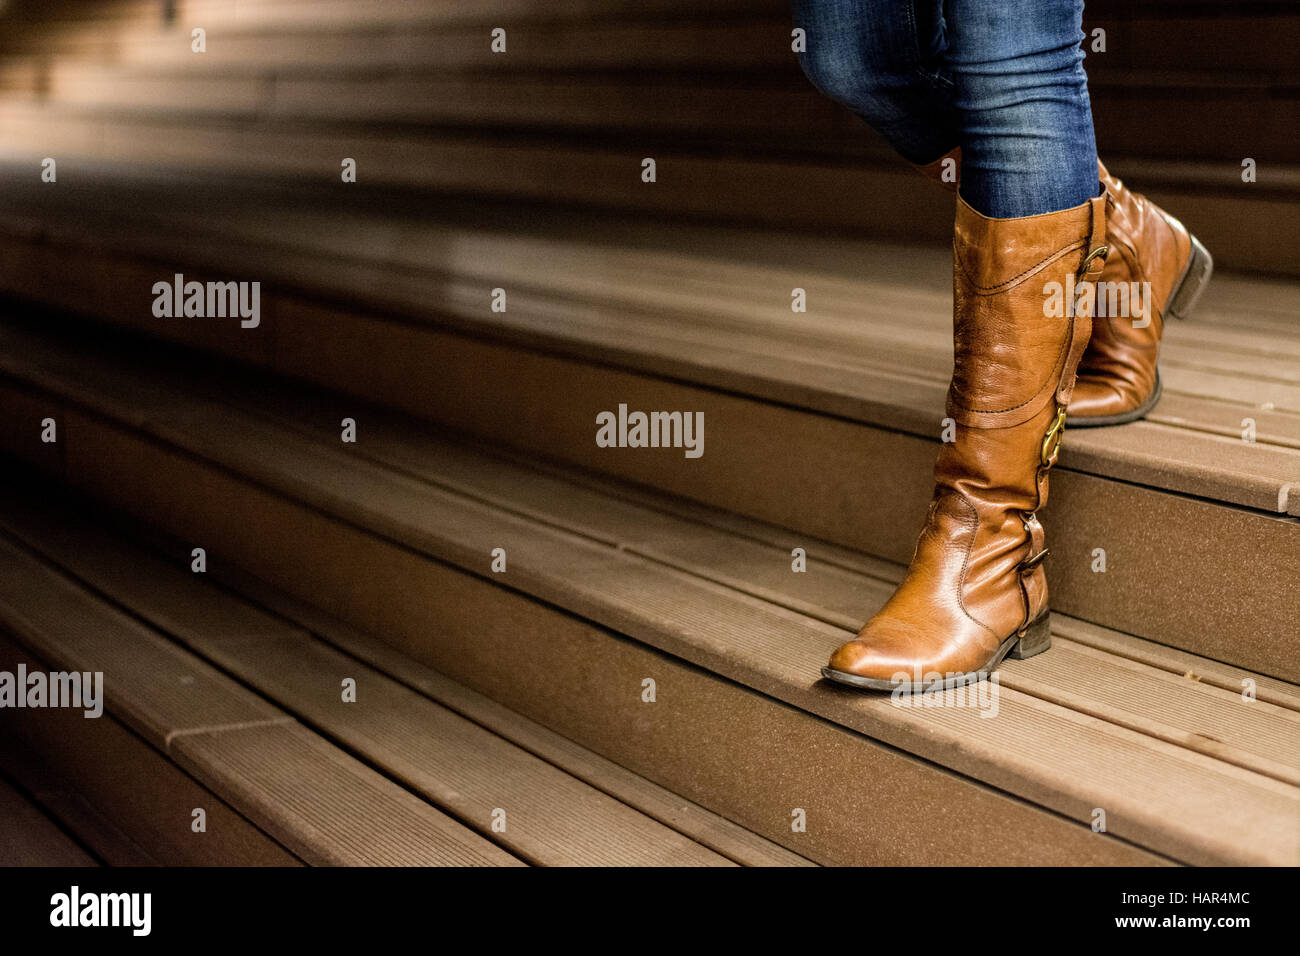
(1200, 266)
(1036, 639)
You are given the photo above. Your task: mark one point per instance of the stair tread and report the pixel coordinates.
(29, 838)
(1075, 745)
(643, 29)
(552, 817)
(123, 799)
(327, 807)
(856, 193)
(839, 597)
(1121, 645)
(161, 691)
(862, 360)
(713, 109)
(555, 818)
(706, 827)
(254, 755)
(770, 447)
(289, 145)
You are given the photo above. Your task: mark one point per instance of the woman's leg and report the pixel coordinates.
(883, 60)
(1003, 79)
(1031, 217)
(1021, 99)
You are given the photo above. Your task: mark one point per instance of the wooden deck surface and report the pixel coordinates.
(1104, 721)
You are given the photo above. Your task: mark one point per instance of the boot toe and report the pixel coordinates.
(878, 655)
(856, 657)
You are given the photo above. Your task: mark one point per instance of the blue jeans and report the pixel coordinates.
(1002, 79)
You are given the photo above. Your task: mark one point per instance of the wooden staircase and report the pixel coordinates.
(504, 715)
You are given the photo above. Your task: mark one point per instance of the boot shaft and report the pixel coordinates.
(1017, 341)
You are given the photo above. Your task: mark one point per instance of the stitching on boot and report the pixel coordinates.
(965, 564)
(1016, 280)
(1058, 364)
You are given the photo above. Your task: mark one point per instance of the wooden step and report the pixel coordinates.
(623, 34)
(1249, 227)
(621, 66)
(319, 803)
(555, 816)
(122, 798)
(30, 838)
(551, 816)
(844, 402)
(1083, 728)
(777, 111)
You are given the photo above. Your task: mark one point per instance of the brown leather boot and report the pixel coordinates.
(1156, 269)
(975, 590)
(1158, 266)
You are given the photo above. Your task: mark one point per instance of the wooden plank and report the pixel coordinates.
(1212, 720)
(29, 838)
(258, 759)
(126, 801)
(553, 819)
(843, 196)
(550, 817)
(1218, 467)
(763, 647)
(701, 825)
(1204, 465)
(159, 690)
(326, 807)
(244, 641)
(1175, 661)
(1229, 420)
(831, 480)
(1226, 724)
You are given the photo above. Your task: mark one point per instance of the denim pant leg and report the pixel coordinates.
(882, 59)
(1023, 106)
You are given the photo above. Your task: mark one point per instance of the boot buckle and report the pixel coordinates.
(1101, 252)
(1052, 440)
(1030, 563)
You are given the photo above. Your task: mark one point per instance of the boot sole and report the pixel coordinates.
(1190, 285)
(1034, 639)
